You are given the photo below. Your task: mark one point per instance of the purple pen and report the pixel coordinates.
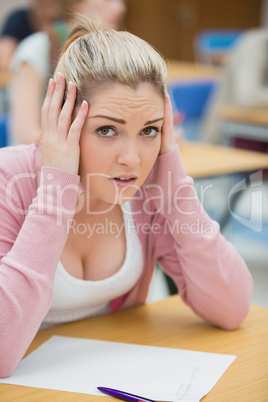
(124, 395)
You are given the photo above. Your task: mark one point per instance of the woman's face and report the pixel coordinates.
(47, 10)
(111, 11)
(120, 141)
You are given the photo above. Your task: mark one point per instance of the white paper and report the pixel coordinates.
(81, 365)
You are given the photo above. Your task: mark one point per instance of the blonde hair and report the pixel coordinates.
(93, 56)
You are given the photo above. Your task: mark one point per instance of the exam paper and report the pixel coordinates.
(81, 365)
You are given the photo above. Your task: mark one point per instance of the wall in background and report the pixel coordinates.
(170, 25)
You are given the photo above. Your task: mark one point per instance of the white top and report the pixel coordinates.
(75, 299)
(34, 50)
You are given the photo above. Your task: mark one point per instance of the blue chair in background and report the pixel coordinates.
(4, 124)
(191, 99)
(212, 45)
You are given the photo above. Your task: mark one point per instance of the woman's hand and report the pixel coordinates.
(61, 136)
(168, 141)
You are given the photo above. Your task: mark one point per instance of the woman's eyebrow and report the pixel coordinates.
(153, 121)
(121, 121)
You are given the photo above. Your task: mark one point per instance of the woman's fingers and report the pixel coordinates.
(46, 105)
(77, 125)
(168, 121)
(65, 117)
(168, 141)
(60, 145)
(56, 103)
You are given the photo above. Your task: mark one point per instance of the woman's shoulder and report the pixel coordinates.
(35, 39)
(20, 159)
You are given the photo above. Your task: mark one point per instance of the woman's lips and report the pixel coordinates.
(124, 181)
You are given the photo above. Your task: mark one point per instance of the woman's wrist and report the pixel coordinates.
(168, 148)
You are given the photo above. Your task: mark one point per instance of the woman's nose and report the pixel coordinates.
(129, 154)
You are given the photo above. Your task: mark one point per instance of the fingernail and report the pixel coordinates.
(58, 76)
(50, 82)
(71, 86)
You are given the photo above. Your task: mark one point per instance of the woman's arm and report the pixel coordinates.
(26, 104)
(30, 248)
(211, 276)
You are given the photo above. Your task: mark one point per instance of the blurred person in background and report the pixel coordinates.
(244, 82)
(24, 22)
(35, 60)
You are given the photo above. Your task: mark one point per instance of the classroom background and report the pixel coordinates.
(201, 41)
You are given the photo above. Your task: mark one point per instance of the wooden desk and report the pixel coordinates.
(187, 70)
(246, 123)
(244, 115)
(170, 323)
(205, 160)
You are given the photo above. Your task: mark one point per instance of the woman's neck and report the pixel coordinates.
(90, 210)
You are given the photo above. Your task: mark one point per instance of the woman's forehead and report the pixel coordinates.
(126, 104)
(117, 95)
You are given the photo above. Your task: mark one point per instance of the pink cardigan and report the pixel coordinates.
(210, 275)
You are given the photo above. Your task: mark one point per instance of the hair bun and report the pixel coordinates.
(81, 26)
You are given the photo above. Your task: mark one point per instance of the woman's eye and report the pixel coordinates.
(150, 131)
(106, 131)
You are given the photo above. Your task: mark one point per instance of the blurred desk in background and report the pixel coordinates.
(207, 160)
(245, 115)
(203, 161)
(181, 70)
(244, 123)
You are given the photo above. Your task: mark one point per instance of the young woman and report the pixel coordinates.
(87, 211)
